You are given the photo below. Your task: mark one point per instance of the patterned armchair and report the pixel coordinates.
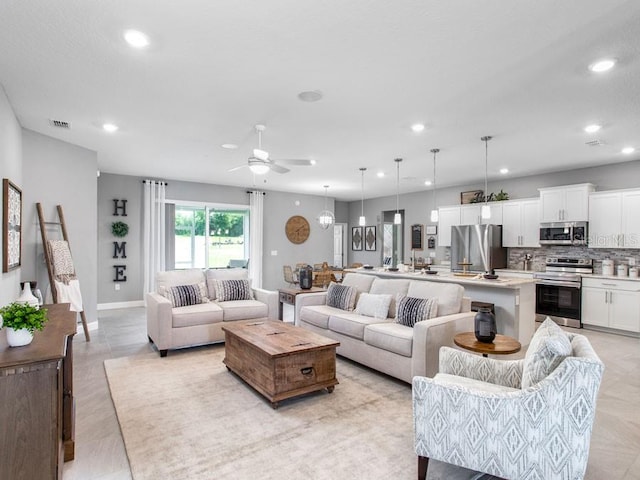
(476, 413)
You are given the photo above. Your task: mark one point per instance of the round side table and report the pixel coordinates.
(501, 345)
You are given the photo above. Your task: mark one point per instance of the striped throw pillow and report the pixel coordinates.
(184, 295)
(341, 296)
(229, 290)
(411, 310)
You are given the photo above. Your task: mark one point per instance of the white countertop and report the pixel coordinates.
(478, 281)
(610, 277)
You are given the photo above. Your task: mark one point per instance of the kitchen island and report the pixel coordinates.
(514, 298)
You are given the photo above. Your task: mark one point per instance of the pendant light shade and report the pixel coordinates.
(397, 218)
(362, 221)
(485, 211)
(325, 218)
(434, 211)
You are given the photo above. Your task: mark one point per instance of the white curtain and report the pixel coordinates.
(256, 202)
(154, 242)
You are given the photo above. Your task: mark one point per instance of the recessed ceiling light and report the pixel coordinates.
(310, 96)
(602, 65)
(427, 183)
(592, 128)
(109, 127)
(136, 39)
(229, 146)
(380, 174)
(313, 162)
(628, 150)
(417, 127)
(504, 171)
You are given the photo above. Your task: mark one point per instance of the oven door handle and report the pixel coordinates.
(559, 283)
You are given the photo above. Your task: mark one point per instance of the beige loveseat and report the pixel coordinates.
(170, 327)
(397, 350)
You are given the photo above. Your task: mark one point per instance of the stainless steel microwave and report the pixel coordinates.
(563, 233)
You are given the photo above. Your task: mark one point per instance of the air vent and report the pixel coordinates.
(60, 124)
(595, 143)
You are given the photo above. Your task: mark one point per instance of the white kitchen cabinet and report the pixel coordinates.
(471, 214)
(613, 219)
(447, 218)
(521, 223)
(611, 303)
(568, 203)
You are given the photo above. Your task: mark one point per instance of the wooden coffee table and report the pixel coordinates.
(279, 360)
(502, 345)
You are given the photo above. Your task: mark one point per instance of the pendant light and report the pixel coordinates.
(485, 211)
(325, 218)
(434, 211)
(397, 218)
(362, 221)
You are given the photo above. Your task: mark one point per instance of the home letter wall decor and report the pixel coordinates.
(117, 206)
(120, 273)
(119, 248)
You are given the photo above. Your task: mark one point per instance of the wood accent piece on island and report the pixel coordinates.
(279, 360)
(37, 410)
(501, 345)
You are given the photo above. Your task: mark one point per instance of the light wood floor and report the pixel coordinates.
(100, 453)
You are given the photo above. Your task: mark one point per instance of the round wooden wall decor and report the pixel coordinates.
(297, 229)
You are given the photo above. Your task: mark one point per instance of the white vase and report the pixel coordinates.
(28, 297)
(18, 338)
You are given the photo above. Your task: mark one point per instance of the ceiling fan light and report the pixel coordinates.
(434, 215)
(259, 168)
(260, 154)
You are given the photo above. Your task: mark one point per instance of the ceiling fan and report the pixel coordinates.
(260, 162)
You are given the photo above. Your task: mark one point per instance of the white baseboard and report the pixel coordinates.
(90, 326)
(115, 305)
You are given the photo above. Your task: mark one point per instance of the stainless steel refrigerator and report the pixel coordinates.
(479, 246)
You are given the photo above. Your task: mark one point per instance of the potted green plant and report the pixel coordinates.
(21, 320)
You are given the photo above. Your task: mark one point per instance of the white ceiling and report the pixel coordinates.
(513, 69)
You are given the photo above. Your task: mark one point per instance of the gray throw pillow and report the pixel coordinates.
(185, 295)
(411, 310)
(549, 346)
(341, 296)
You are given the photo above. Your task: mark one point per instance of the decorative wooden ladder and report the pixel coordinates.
(49, 260)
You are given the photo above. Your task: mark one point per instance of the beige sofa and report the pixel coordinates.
(171, 327)
(397, 350)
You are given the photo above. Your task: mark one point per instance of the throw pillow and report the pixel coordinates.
(411, 310)
(184, 295)
(374, 305)
(229, 290)
(341, 296)
(548, 347)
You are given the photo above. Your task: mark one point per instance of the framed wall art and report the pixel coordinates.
(356, 238)
(370, 239)
(11, 226)
(472, 196)
(416, 237)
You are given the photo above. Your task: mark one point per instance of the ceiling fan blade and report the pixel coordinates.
(277, 168)
(237, 168)
(295, 161)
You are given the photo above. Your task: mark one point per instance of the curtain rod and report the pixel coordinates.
(251, 191)
(158, 181)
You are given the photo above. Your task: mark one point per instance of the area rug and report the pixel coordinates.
(187, 417)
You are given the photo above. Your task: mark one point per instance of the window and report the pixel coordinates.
(208, 236)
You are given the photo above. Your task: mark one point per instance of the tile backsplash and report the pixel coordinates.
(618, 255)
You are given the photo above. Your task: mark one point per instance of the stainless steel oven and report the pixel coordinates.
(559, 290)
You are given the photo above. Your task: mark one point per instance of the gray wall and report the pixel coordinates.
(11, 168)
(278, 207)
(418, 205)
(59, 173)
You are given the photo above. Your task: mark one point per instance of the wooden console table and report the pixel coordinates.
(37, 407)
